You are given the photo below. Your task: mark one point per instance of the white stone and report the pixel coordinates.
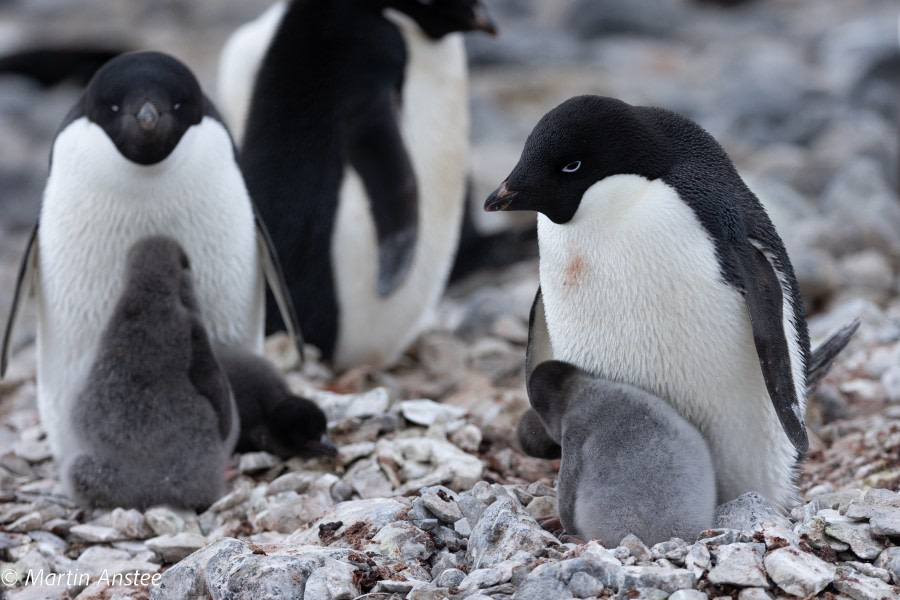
(798, 573)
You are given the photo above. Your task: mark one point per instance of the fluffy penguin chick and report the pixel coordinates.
(630, 463)
(156, 417)
(272, 418)
(660, 268)
(353, 120)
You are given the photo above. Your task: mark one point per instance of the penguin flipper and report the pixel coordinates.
(822, 357)
(539, 348)
(275, 277)
(24, 283)
(376, 151)
(764, 296)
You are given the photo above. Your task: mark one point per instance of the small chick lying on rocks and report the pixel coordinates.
(630, 463)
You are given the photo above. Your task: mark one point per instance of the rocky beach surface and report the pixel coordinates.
(430, 497)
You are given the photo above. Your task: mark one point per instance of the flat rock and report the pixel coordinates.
(862, 587)
(429, 412)
(174, 547)
(749, 512)
(504, 530)
(798, 573)
(96, 533)
(739, 564)
(857, 535)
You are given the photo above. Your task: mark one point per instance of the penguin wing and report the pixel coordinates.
(277, 283)
(376, 151)
(764, 294)
(539, 348)
(24, 282)
(208, 377)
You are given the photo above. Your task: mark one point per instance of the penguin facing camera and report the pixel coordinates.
(352, 118)
(659, 268)
(630, 463)
(143, 152)
(155, 420)
(272, 418)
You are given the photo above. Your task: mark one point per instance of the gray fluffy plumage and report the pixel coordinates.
(630, 463)
(156, 415)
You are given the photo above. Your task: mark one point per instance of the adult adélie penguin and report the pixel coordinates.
(143, 152)
(353, 125)
(660, 268)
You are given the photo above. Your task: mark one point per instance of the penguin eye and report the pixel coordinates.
(114, 108)
(176, 106)
(572, 167)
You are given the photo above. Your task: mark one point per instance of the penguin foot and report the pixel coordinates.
(568, 538)
(551, 524)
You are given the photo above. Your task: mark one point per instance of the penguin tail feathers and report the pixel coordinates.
(823, 357)
(52, 66)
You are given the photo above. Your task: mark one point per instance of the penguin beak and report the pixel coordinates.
(482, 22)
(148, 116)
(502, 199)
(322, 446)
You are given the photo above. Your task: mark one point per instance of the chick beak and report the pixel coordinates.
(322, 446)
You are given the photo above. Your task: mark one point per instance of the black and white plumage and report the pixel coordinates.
(352, 116)
(660, 268)
(273, 419)
(155, 420)
(630, 462)
(143, 152)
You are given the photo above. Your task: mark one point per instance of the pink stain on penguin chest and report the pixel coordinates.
(575, 270)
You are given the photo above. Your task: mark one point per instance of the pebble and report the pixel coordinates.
(173, 547)
(862, 587)
(798, 573)
(739, 564)
(429, 412)
(252, 462)
(96, 533)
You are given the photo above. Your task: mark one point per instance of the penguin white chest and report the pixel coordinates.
(433, 123)
(633, 292)
(96, 206)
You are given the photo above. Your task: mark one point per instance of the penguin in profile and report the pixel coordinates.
(630, 463)
(156, 421)
(273, 419)
(660, 268)
(352, 117)
(143, 152)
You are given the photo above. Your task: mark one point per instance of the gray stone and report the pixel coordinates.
(543, 506)
(875, 503)
(447, 510)
(636, 548)
(332, 581)
(463, 528)
(131, 523)
(857, 535)
(253, 576)
(738, 564)
(373, 514)
(754, 593)
(402, 540)
(485, 578)
(503, 531)
(368, 479)
(96, 533)
(174, 547)
(252, 462)
(698, 559)
(890, 380)
(583, 585)
(164, 521)
(862, 587)
(674, 550)
(468, 438)
(668, 580)
(348, 406)
(471, 507)
(814, 531)
(890, 561)
(749, 512)
(27, 522)
(450, 578)
(870, 570)
(429, 412)
(886, 525)
(798, 573)
(552, 579)
(688, 595)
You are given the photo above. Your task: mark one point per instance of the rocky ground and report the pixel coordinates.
(429, 497)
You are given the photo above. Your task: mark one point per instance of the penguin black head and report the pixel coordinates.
(580, 142)
(437, 18)
(144, 101)
(298, 428)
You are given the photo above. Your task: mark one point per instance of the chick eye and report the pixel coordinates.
(572, 167)
(114, 107)
(176, 106)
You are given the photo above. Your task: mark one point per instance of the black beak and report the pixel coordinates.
(148, 116)
(501, 199)
(482, 21)
(322, 446)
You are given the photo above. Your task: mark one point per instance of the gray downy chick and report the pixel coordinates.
(630, 463)
(156, 417)
(273, 419)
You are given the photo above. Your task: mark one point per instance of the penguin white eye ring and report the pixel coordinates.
(114, 108)
(572, 167)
